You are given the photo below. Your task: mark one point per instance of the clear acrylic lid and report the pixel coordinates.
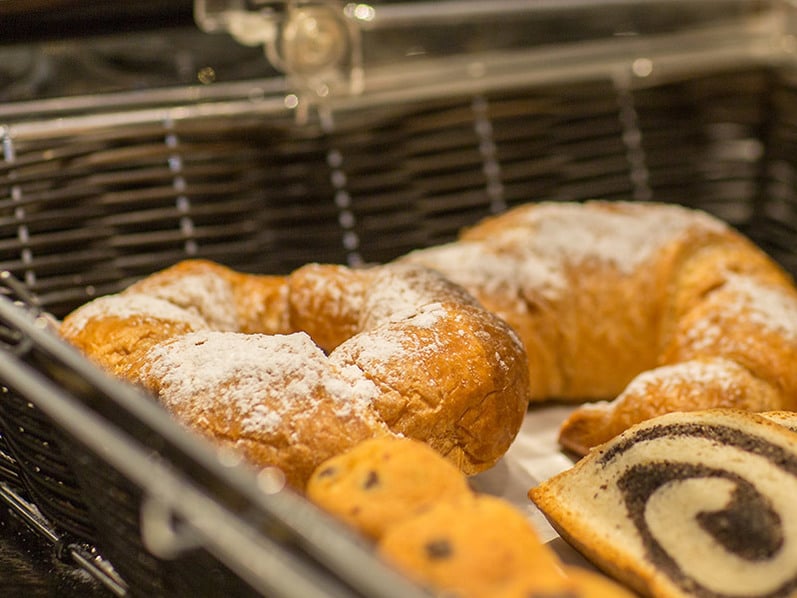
(333, 49)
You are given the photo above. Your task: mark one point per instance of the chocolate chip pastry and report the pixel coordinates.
(425, 520)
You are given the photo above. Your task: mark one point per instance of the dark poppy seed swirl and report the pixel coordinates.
(701, 504)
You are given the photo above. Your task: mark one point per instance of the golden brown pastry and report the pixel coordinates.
(383, 481)
(477, 546)
(689, 386)
(787, 419)
(687, 504)
(427, 522)
(400, 350)
(603, 293)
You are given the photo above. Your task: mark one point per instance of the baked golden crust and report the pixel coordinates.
(115, 338)
(602, 293)
(235, 356)
(471, 547)
(226, 299)
(382, 481)
(687, 386)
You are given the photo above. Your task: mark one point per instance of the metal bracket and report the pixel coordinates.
(313, 42)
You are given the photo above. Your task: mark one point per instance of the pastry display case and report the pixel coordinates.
(266, 135)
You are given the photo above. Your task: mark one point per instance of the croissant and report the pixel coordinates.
(289, 371)
(654, 307)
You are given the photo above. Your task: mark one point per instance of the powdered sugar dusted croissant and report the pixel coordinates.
(667, 307)
(293, 370)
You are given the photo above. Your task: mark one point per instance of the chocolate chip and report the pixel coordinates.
(371, 480)
(328, 472)
(438, 549)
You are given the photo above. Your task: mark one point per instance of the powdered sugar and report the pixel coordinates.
(205, 293)
(624, 235)
(354, 393)
(771, 308)
(128, 306)
(530, 255)
(427, 316)
(391, 299)
(399, 291)
(476, 267)
(342, 292)
(687, 376)
(745, 299)
(703, 334)
(263, 378)
(385, 352)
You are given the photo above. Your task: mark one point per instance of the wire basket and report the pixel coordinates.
(97, 191)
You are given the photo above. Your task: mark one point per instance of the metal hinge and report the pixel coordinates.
(315, 43)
